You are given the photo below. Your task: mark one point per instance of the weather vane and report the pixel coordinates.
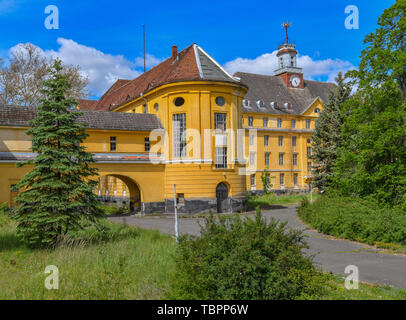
(286, 25)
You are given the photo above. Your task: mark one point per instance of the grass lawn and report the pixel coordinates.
(125, 263)
(121, 263)
(272, 199)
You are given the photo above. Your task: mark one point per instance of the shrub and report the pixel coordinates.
(5, 214)
(355, 219)
(113, 210)
(242, 258)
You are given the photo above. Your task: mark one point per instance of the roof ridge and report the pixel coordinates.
(216, 63)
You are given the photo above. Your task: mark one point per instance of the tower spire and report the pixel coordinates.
(286, 25)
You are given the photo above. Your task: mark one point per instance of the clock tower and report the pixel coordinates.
(287, 59)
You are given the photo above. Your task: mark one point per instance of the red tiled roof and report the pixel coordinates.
(170, 70)
(190, 64)
(85, 104)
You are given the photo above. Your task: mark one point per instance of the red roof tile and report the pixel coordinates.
(191, 64)
(85, 104)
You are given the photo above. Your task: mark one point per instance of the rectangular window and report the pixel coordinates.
(279, 123)
(250, 121)
(295, 159)
(147, 145)
(221, 157)
(266, 141)
(179, 135)
(252, 139)
(294, 138)
(309, 167)
(145, 108)
(265, 122)
(280, 141)
(309, 151)
(252, 158)
(282, 179)
(113, 143)
(281, 159)
(253, 179)
(293, 123)
(307, 123)
(180, 198)
(267, 154)
(295, 175)
(220, 121)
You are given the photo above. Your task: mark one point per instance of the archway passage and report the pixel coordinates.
(222, 197)
(120, 191)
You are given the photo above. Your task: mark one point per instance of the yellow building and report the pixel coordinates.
(280, 113)
(187, 122)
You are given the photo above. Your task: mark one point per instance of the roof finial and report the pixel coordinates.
(286, 25)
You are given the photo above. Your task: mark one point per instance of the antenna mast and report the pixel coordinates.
(143, 31)
(286, 25)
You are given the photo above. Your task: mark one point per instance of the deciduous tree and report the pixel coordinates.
(21, 80)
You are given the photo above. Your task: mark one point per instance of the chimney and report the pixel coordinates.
(174, 52)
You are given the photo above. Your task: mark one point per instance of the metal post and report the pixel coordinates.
(143, 31)
(311, 193)
(176, 213)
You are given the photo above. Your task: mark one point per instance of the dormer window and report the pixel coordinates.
(260, 104)
(246, 103)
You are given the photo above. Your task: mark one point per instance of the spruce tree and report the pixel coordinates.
(326, 138)
(57, 194)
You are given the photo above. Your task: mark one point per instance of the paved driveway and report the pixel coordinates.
(330, 254)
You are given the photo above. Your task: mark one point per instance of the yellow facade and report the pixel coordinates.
(147, 177)
(299, 166)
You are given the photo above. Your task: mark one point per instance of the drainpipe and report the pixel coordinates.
(145, 99)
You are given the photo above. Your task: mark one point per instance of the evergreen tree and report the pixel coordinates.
(326, 138)
(57, 194)
(372, 160)
(266, 182)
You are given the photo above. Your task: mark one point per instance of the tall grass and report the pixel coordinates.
(118, 263)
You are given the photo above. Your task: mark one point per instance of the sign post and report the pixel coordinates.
(176, 213)
(308, 180)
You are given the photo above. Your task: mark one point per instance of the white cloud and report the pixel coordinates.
(102, 69)
(312, 69)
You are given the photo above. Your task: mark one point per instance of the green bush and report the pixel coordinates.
(113, 210)
(355, 219)
(242, 258)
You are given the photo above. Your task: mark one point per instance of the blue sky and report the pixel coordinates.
(105, 37)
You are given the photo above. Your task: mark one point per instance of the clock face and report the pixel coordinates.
(295, 81)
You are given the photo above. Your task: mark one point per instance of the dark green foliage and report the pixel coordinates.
(355, 219)
(57, 194)
(238, 257)
(266, 181)
(326, 138)
(371, 162)
(384, 58)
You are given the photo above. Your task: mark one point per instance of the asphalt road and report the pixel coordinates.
(333, 255)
